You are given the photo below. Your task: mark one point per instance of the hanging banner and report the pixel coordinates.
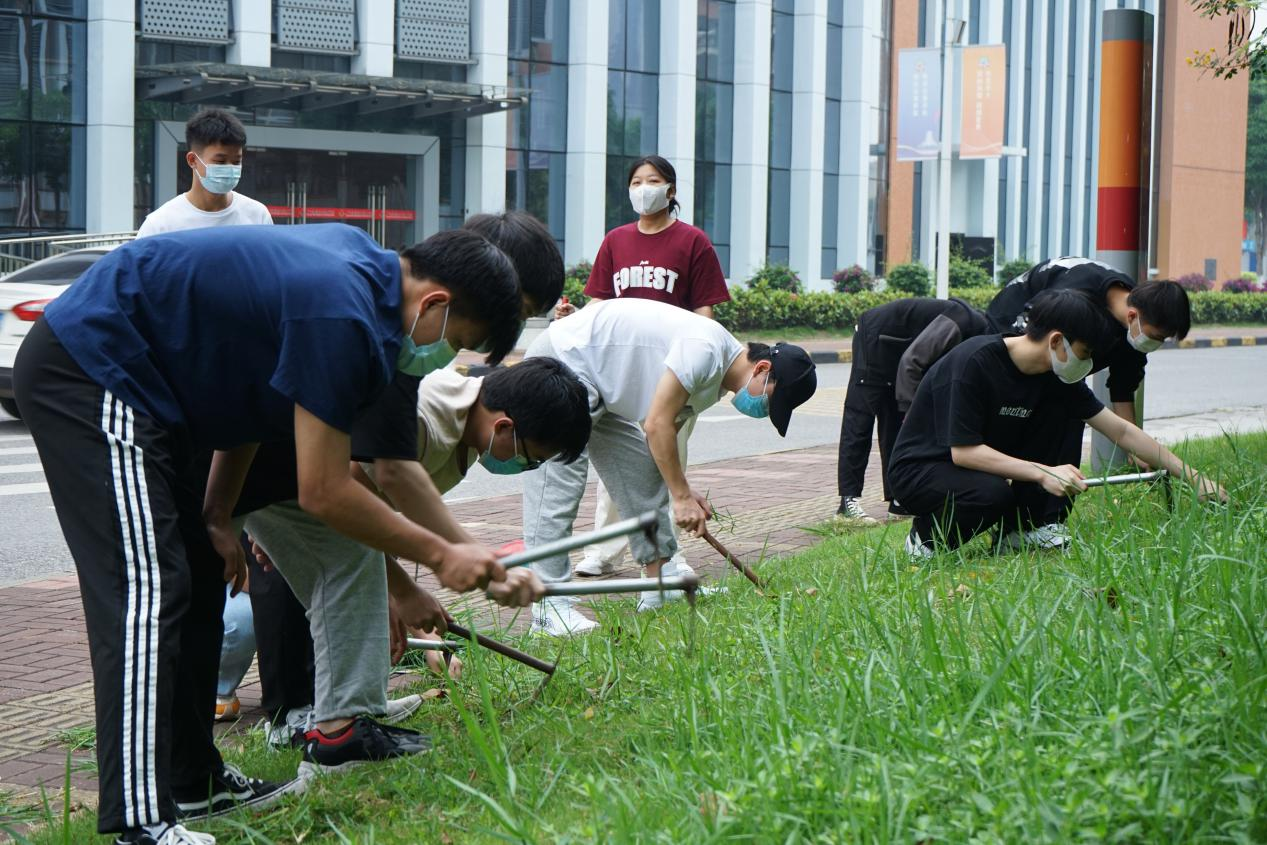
(984, 95)
(918, 104)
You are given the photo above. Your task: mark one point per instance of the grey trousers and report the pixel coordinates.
(343, 586)
(621, 457)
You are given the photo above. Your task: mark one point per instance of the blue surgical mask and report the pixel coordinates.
(513, 465)
(418, 360)
(220, 178)
(757, 407)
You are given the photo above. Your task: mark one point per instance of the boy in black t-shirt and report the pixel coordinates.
(986, 415)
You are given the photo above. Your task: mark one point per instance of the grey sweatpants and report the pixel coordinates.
(619, 452)
(343, 586)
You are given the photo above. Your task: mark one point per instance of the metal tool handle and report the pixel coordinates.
(734, 561)
(1129, 478)
(502, 649)
(689, 583)
(434, 645)
(645, 522)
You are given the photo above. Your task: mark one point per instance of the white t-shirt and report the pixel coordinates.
(178, 214)
(621, 347)
(445, 398)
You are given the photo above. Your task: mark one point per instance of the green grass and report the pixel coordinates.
(1115, 694)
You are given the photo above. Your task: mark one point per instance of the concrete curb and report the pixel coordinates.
(845, 356)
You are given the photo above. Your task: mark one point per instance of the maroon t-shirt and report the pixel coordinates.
(677, 265)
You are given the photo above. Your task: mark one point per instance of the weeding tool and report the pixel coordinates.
(1128, 478)
(502, 649)
(734, 561)
(434, 645)
(687, 583)
(625, 527)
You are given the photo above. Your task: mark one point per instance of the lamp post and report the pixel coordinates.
(952, 35)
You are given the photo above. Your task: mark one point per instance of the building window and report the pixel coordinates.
(43, 106)
(536, 134)
(778, 235)
(714, 121)
(633, 96)
(831, 137)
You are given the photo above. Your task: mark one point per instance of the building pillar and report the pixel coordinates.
(1057, 133)
(750, 161)
(676, 140)
(111, 105)
(1017, 102)
(587, 130)
(991, 32)
(252, 34)
(1036, 208)
(486, 134)
(809, 106)
(376, 36)
(858, 89)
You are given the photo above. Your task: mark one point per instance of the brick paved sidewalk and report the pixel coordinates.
(46, 679)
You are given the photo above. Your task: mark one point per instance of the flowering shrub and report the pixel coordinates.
(853, 279)
(1193, 282)
(1241, 285)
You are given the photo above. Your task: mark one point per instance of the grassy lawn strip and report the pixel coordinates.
(1117, 693)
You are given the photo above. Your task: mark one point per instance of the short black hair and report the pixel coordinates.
(532, 250)
(666, 170)
(759, 352)
(214, 126)
(481, 279)
(548, 403)
(1070, 312)
(1163, 304)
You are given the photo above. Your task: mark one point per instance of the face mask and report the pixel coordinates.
(514, 465)
(757, 407)
(1141, 342)
(220, 178)
(1073, 369)
(648, 199)
(418, 360)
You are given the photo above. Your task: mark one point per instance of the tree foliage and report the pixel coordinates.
(1256, 161)
(1242, 50)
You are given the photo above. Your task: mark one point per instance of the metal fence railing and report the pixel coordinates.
(16, 253)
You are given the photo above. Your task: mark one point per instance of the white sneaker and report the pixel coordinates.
(1054, 535)
(917, 549)
(282, 735)
(592, 567)
(556, 617)
(656, 599)
(399, 709)
(851, 511)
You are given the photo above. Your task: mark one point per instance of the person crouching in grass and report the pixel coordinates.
(977, 448)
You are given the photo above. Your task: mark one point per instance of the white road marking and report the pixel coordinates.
(21, 489)
(21, 450)
(13, 468)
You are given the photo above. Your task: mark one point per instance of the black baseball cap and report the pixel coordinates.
(794, 382)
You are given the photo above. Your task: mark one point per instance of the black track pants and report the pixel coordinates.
(127, 497)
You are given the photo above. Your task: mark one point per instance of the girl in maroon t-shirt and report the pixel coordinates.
(657, 257)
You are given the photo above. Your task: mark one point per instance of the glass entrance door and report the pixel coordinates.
(367, 190)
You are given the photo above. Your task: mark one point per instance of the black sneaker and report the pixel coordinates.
(164, 834)
(229, 789)
(896, 509)
(363, 741)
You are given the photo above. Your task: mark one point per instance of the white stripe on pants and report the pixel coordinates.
(144, 588)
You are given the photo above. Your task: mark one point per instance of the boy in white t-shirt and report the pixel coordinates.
(648, 367)
(217, 142)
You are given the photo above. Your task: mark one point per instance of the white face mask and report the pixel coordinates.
(1141, 342)
(1073, 369)
(649, 199)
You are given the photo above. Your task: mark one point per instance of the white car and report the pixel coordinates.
(23, 295)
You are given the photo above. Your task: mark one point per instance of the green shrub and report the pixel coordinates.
(912, 278)
(574, 279)
(1215, 307)
(775, 277)
(853, 279)
(977, 297)
(1249, 275)
(965, 273)
(1009, 270)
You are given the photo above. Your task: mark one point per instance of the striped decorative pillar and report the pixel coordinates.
(1126, 114)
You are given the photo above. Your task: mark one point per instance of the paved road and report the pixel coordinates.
(1181, 383)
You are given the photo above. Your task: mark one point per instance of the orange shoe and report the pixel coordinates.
(227, 707)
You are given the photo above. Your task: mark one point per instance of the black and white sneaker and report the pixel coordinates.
(363, 741)
(164, 834)
(228, 790)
